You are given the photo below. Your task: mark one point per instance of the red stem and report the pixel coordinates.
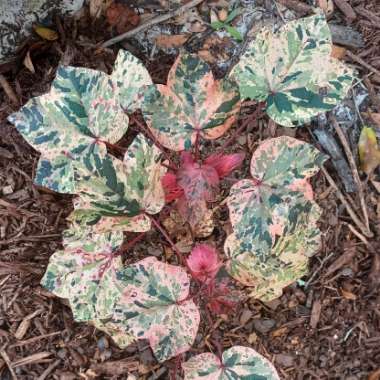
(196, 145)
(168, 238)
(114, 146)
(130, 244)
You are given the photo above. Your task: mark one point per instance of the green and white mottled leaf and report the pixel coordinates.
(274, 217)
(83, 108)
(191, 103)
(85, 272)
(285, 261)
(117, 193)
(293, 71)
(238, 362)
(155, 306)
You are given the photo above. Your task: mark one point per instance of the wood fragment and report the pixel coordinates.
(25, 324)
(375, 100)
(315, 313)
(153, 21)
(346, 257)
(8, 362)
(31, 359)
(298, 6)
(48, 370)
(369, 15)
(35, 339)
(349, 209)
(354, 169)
(361, 62)
(9, 90)
(346, 9)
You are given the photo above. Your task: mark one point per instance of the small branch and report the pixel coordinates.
(349, 209)
(361, 62)
(168, 239)
(151, 22)
(9, 90)
(346, 9)
(372, 94)
(8, 362)
(354, 169)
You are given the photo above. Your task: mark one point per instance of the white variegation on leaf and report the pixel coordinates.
(293, 71)
(84, 109)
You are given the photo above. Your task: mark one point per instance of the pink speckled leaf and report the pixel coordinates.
(238, 362)
(155, 306)
(192, 103)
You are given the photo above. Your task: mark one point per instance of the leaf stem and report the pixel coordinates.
(196, 145)
(130, 244)
(168, 239)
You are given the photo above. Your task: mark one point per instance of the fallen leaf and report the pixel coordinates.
(374, 375)
(46, 33)
(369, 152)
(348, 295)
(338, 52)
(122, 17)
(28, 63)
(168, 41)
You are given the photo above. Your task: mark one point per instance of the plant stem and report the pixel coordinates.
(196, 145)
(168, 239)
(113, 146)
(130, 244)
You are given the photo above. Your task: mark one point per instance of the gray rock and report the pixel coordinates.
(18, 16)
(284, 360)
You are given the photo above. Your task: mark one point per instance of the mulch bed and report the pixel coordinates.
(327, 329)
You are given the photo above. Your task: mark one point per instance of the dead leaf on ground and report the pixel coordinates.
(375, 375)
(376, 118)
(122, 17)
(168, 41)
(369, 152)
(348, 295)
(338, 52)
(46, 33)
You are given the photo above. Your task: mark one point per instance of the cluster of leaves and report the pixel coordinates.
(273, 214)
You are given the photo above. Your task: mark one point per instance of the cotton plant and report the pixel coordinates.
(273, 216)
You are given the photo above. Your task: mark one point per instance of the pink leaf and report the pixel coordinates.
(224, 164)
(204, 262)
(172, 189)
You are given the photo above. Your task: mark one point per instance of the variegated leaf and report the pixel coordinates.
(83, 108)
(274, 216)
(293, 71)
(285, 261)
(238, 362)
(191, 103)
(85, 272)
(86, 218)
(117, 194)
(156, 307)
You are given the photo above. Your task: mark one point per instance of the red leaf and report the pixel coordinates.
(204, 263)
(224, 164)
(172, 189)
(198, 181)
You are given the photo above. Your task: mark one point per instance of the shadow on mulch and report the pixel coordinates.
(326, 328)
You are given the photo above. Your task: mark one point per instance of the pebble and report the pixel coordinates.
(264, 325)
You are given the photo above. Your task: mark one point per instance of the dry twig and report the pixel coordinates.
(361, 62)
(151, 22)
(354, 169)
(9, 90)
(8, 362)
(346, 9)
(349, 209)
